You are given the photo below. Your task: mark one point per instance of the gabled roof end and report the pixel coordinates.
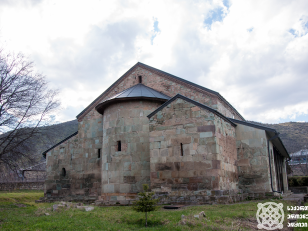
(193, 102)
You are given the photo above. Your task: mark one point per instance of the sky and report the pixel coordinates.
(254, 53)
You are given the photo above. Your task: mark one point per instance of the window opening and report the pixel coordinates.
(63, 172)
(182, 152)
(119, 146)
(140, 79)
(99, 153)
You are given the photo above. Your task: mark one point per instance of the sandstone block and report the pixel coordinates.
(178, 141)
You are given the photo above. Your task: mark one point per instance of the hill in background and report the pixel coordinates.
(48, 136)
(294, 135)
(53, 134)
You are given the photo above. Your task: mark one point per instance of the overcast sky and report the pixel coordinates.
(254, 53)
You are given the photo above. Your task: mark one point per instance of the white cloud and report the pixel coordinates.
(254, 52)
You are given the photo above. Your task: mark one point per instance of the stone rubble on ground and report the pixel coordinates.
(184, 221)
(202, 214)
(90, 208)
(54, 207)
(86, 208)
(72, 205)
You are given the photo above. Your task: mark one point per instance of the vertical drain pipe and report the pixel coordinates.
(269, 158)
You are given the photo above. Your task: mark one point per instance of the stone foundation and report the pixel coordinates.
(175, 198)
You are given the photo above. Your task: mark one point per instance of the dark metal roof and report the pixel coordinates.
(195, 103)
(164, 74)
(136, 92)
(74, 134)
(271, 133)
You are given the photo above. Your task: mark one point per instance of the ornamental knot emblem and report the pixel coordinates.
(270, 216)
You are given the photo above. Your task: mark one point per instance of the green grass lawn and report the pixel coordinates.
(32, 217)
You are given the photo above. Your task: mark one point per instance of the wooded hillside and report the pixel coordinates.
(293, 134)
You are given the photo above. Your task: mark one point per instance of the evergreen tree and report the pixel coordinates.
(145, 203)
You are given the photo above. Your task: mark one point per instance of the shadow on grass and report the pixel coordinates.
(8, 205)
(139, 222)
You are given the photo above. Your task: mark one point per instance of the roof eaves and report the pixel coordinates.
(44, 153)
(253, 125)
(193, 102)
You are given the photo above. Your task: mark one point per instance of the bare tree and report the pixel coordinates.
(26, 104)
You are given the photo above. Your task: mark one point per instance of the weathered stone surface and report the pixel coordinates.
(127, 169)
(207, 128)
(199, 158)
(82, 174)
(252, 160)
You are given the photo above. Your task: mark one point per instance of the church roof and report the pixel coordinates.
(179, 96)
(138, 91)
(161, 73)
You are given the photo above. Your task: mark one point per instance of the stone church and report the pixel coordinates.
(186, 141)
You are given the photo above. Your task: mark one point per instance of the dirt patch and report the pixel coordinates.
(20, 205)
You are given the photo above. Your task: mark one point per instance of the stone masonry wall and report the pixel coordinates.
(82, 170)
(34, 175)
(8, 186)
(124, 172)
(90, 126)
(253, 164)
(208, 143)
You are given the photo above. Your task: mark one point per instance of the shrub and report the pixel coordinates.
(145, 203)
(298, 181)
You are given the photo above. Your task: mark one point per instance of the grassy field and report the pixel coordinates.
(18, 211)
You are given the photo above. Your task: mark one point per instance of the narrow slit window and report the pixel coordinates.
(182, 152)
(119, 146)
(63, 173)
(140, 79)
(99, 153)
